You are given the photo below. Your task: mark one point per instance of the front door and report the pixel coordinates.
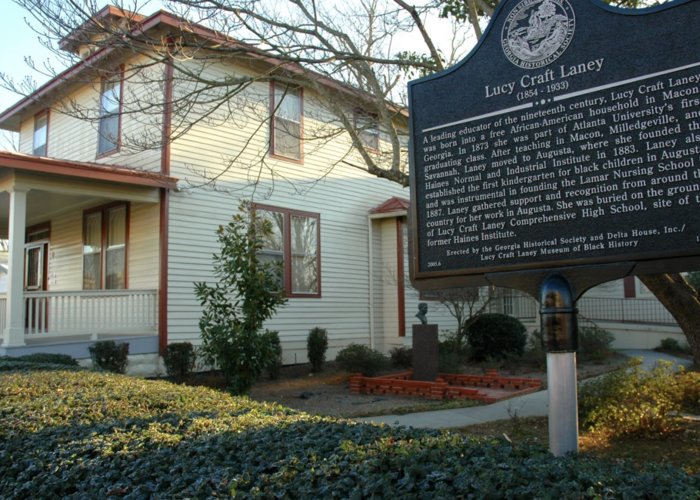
(35, 267)
(36, 279)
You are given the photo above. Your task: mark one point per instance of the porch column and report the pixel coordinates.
(13, 335)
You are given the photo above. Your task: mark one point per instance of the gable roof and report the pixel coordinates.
(392, 205)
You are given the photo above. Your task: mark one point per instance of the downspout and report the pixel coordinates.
(370, 253)
(164, 212)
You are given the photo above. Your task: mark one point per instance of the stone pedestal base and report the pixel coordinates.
(425, 352)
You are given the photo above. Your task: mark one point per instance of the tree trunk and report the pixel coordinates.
(682, 301)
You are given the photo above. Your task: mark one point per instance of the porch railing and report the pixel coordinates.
(648, 311)
(612, 309)
(89, 312)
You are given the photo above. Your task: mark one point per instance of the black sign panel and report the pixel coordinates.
(570, 136)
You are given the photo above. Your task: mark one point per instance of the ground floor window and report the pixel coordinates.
(295, 243)
(105, 236)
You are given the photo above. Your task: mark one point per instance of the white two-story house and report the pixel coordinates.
(111, 213)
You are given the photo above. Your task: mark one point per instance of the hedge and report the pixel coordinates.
(79, 434)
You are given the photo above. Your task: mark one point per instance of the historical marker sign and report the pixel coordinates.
(570, 136)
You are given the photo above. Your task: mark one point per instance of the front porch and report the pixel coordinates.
(69, 322)
(85, 246)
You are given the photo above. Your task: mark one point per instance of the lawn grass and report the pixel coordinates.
(81, 434)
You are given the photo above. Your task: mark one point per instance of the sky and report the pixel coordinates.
(20, 42)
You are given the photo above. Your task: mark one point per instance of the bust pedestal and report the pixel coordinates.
(425, 352)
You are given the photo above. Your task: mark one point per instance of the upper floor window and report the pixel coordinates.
(110, 114)
(367, 129)
(294, 242)
(287, 123)
(105, 235)
(41, 133)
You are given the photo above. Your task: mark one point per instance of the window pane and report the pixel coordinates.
(110, 100)
(40, 133)
(288, 104)
(91, 271)
(304, 258)
(115, 263)
(287, 122)
(368, 131)
(93, 233)
(287, 139)
(32, 279)
(273, 243)
(109, 133)
(114, 268)
(92, 251)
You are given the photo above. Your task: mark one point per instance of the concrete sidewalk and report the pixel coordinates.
(529, 405)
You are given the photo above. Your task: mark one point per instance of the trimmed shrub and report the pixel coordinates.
(401, 357)
(534, 354)
(495, 336)
(179, 359)
(109, 356)
(50, 358)
(274, 364)
(671, 345)
(452, 353)
(358, 358)
(634, 401)
(12, 364)
(316, 346)
(594, 343)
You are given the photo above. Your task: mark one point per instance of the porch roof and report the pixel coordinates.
(85, 170)
(392, 206)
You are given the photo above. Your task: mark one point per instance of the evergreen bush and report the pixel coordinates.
(179, 359)
(401, 357)
(274, 364)
(672, 346)
(594, 343)
(316, 346)
(247, 293)
(50, 358)
(357, 358)
(496, 336)
(452, 352)
(109, 356)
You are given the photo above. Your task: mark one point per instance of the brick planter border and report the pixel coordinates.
(446, 386)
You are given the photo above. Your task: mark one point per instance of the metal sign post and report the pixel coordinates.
(560, 340)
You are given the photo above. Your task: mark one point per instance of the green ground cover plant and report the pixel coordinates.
(86, 434)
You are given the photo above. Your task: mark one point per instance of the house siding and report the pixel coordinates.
(76, 139)
(342, 198)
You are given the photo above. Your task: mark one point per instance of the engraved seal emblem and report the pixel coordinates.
(537, 32)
